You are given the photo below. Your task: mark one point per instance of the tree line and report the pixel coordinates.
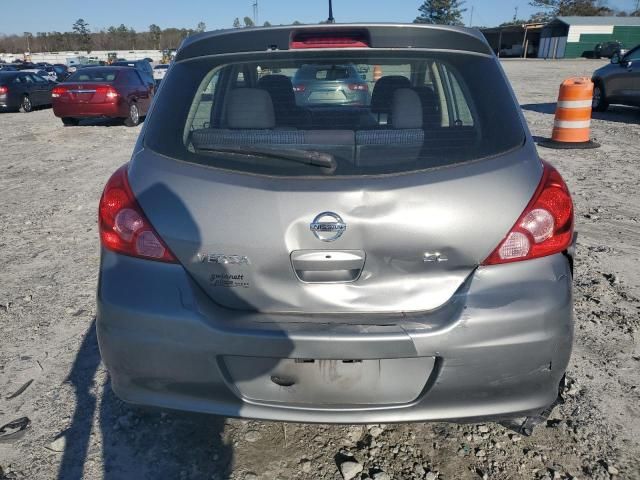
(122, 37)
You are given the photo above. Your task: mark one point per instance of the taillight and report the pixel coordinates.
(361, 87)
(107, 90)
(299, 88)
(124, 228)
(4, 90)
(58, 91)
(330, 39)
(544, 228)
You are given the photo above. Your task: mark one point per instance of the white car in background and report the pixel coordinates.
(159, 71)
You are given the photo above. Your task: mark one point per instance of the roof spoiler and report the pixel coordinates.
(360, 36)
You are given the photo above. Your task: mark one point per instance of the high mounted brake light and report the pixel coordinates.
(124, 228)
(331, 39)
(544, 228)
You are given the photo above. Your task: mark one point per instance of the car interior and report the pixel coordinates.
(420, 109)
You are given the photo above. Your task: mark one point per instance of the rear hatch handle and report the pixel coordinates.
(328, 266)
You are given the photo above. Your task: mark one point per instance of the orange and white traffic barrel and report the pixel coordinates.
(572, 124)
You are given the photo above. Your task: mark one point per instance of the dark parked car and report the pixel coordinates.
(61, 71)
(607, 49)
(109, 92)
(618, 82)
(330, 84)
(23, 91)
(406, 259)
(142, 66)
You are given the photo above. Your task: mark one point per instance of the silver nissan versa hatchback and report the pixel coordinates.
(405, 259)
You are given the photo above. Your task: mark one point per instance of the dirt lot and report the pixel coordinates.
(49, 188)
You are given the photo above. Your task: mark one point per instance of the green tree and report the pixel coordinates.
(296, 22)
(156, 35)
(236, 23)
(583, 8)
(248, 22)
(83, 34)
(267, 24)
(441, 12)
(201, 27)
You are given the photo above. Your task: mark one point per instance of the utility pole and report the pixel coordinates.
(515, 15)
(471, 16)
(255, 12)
(331, 19)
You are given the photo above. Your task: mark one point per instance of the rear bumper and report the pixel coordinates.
(90, 110)
(499, 347)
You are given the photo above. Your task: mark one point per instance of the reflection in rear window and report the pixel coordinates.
(355, 113)
(93, 75)
(324, 72)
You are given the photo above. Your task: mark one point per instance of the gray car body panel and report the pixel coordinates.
(394, 219)
(492, 341)
(499, 349)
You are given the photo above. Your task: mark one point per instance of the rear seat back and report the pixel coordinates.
(251, 121)
(382, 96)
(401, 143)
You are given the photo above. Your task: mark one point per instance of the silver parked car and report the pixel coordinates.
(407, 259)
(618, 82)
(330, 84)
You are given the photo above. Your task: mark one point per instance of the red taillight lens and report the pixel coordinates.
(330, 39)
(361, 87)
(107, 90)
(299, 88)
(124, 228)
(58, 92)
(4, 90)
(544, 228)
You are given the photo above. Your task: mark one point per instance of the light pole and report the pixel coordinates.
(331, 19)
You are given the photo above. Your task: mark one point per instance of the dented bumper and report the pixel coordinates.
(498, 348)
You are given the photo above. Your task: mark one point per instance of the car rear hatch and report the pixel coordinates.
(409, 244)
(404, 237)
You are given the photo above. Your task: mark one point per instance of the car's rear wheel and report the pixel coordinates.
(25, 105)
(70, 122)
(599, 102)
(134, 116)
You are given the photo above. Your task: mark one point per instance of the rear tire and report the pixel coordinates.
(25, 105)
(133, 120)
(70, 122)
(599, 102)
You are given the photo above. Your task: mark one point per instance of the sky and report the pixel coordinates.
(59, 15)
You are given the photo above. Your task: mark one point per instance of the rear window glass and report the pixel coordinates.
(93, 75)
(346, 114)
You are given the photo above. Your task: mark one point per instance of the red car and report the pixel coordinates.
(107, 92)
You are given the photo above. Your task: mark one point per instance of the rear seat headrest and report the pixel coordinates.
(250, 108)
(383, 92)
(406, 109)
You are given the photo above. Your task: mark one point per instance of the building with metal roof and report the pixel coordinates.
(573, 37)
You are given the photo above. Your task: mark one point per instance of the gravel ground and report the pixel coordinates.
(49, 188)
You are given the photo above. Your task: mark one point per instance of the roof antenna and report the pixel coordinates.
(331, 19)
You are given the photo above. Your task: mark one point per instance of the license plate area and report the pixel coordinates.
(328, 382)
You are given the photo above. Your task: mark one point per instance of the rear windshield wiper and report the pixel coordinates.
(306, 157)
